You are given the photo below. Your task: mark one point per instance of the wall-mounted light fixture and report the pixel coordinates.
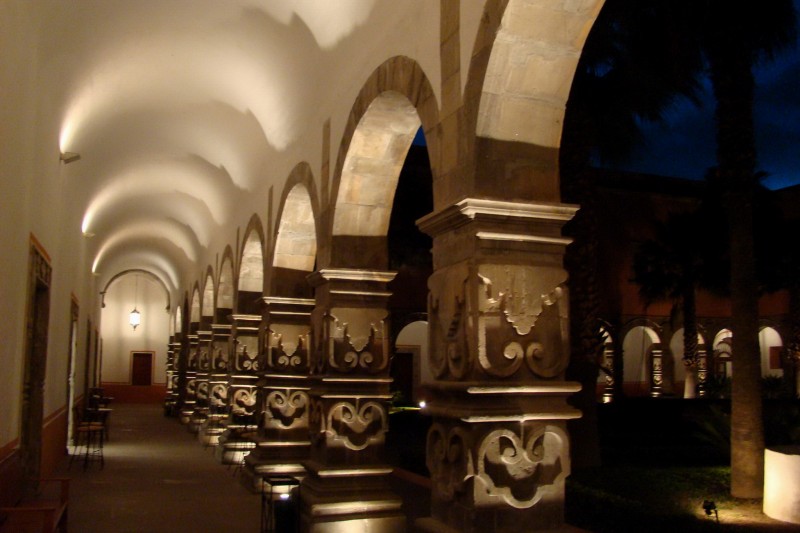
(135, 317)
(69, 157)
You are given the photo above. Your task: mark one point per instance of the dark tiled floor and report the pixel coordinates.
(159, 479)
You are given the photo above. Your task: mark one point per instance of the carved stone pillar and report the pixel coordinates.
(200, 414)
(702, 370)
(282, 443)
(171, 398)
(498, 449)
(608, 375)
(246, 363)
(656, 370)
(212, 428)
(345, 488)
(190, 401)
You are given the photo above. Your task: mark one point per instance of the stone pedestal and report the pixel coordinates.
(213, 428)
(498, 450)
(282, 442)
(190, 395)
(236, 441)
(346, 488)
(200, 414)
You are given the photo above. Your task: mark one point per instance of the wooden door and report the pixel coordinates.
(141, 368)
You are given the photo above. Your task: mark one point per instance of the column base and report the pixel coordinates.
(211, 430)
(186, 412)
(270, 459)
(344, 500)
(198, 418)
(234, 444)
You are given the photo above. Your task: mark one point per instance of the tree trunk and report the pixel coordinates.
(733, 84)
(580, 261)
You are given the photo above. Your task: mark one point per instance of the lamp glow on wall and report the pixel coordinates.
(135, 317)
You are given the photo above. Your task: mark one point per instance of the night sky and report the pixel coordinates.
(684, 145)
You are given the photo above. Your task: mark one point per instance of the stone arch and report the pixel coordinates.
(678, 374)
(770, 345)
(294, 253)
(225, 287)
(207, 299)
(250, 279)
(523, 63)
(640, 338)
(143, 272)
(394, 102)
(178, 320)
(723, 354)
(194, 315)
(412, 341)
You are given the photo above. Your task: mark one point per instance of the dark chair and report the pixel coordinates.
(90, 435)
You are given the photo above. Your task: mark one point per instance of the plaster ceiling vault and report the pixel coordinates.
(179, 109)
(191, 116)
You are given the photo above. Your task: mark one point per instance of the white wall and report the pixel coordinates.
(120, 339)
(37, 195)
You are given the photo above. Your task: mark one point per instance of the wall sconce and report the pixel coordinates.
(69, 157)
(135, 318)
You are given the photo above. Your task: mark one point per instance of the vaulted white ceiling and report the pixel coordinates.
(185, 112)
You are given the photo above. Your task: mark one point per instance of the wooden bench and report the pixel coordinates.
(35, 506)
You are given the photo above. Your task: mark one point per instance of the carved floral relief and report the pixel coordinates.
(499, 467)
(243, 401)
(352, 341)
(497, 320)
(286, 409)
(287, 348)
(246, 358)
(219, 395)
(356, 425)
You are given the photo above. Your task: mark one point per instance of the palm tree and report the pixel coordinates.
(734, 36)
(632, 69)
(683, 256)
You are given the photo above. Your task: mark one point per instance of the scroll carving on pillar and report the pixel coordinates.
(243, 401)
(287, 350)
(202, 391)
(503, 467)
(204, 362)
(448, 460)
(513, 468)
(358, 425)
(498, 319)
(218, 396)
(351, 425)
(220, 360)
(447, 303)
(191, 388)
(286, 409)
(246, 359)
(353, 341)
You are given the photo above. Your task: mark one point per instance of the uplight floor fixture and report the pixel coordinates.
(135, 317)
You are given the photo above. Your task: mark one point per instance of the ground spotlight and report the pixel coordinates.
(710, 507)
